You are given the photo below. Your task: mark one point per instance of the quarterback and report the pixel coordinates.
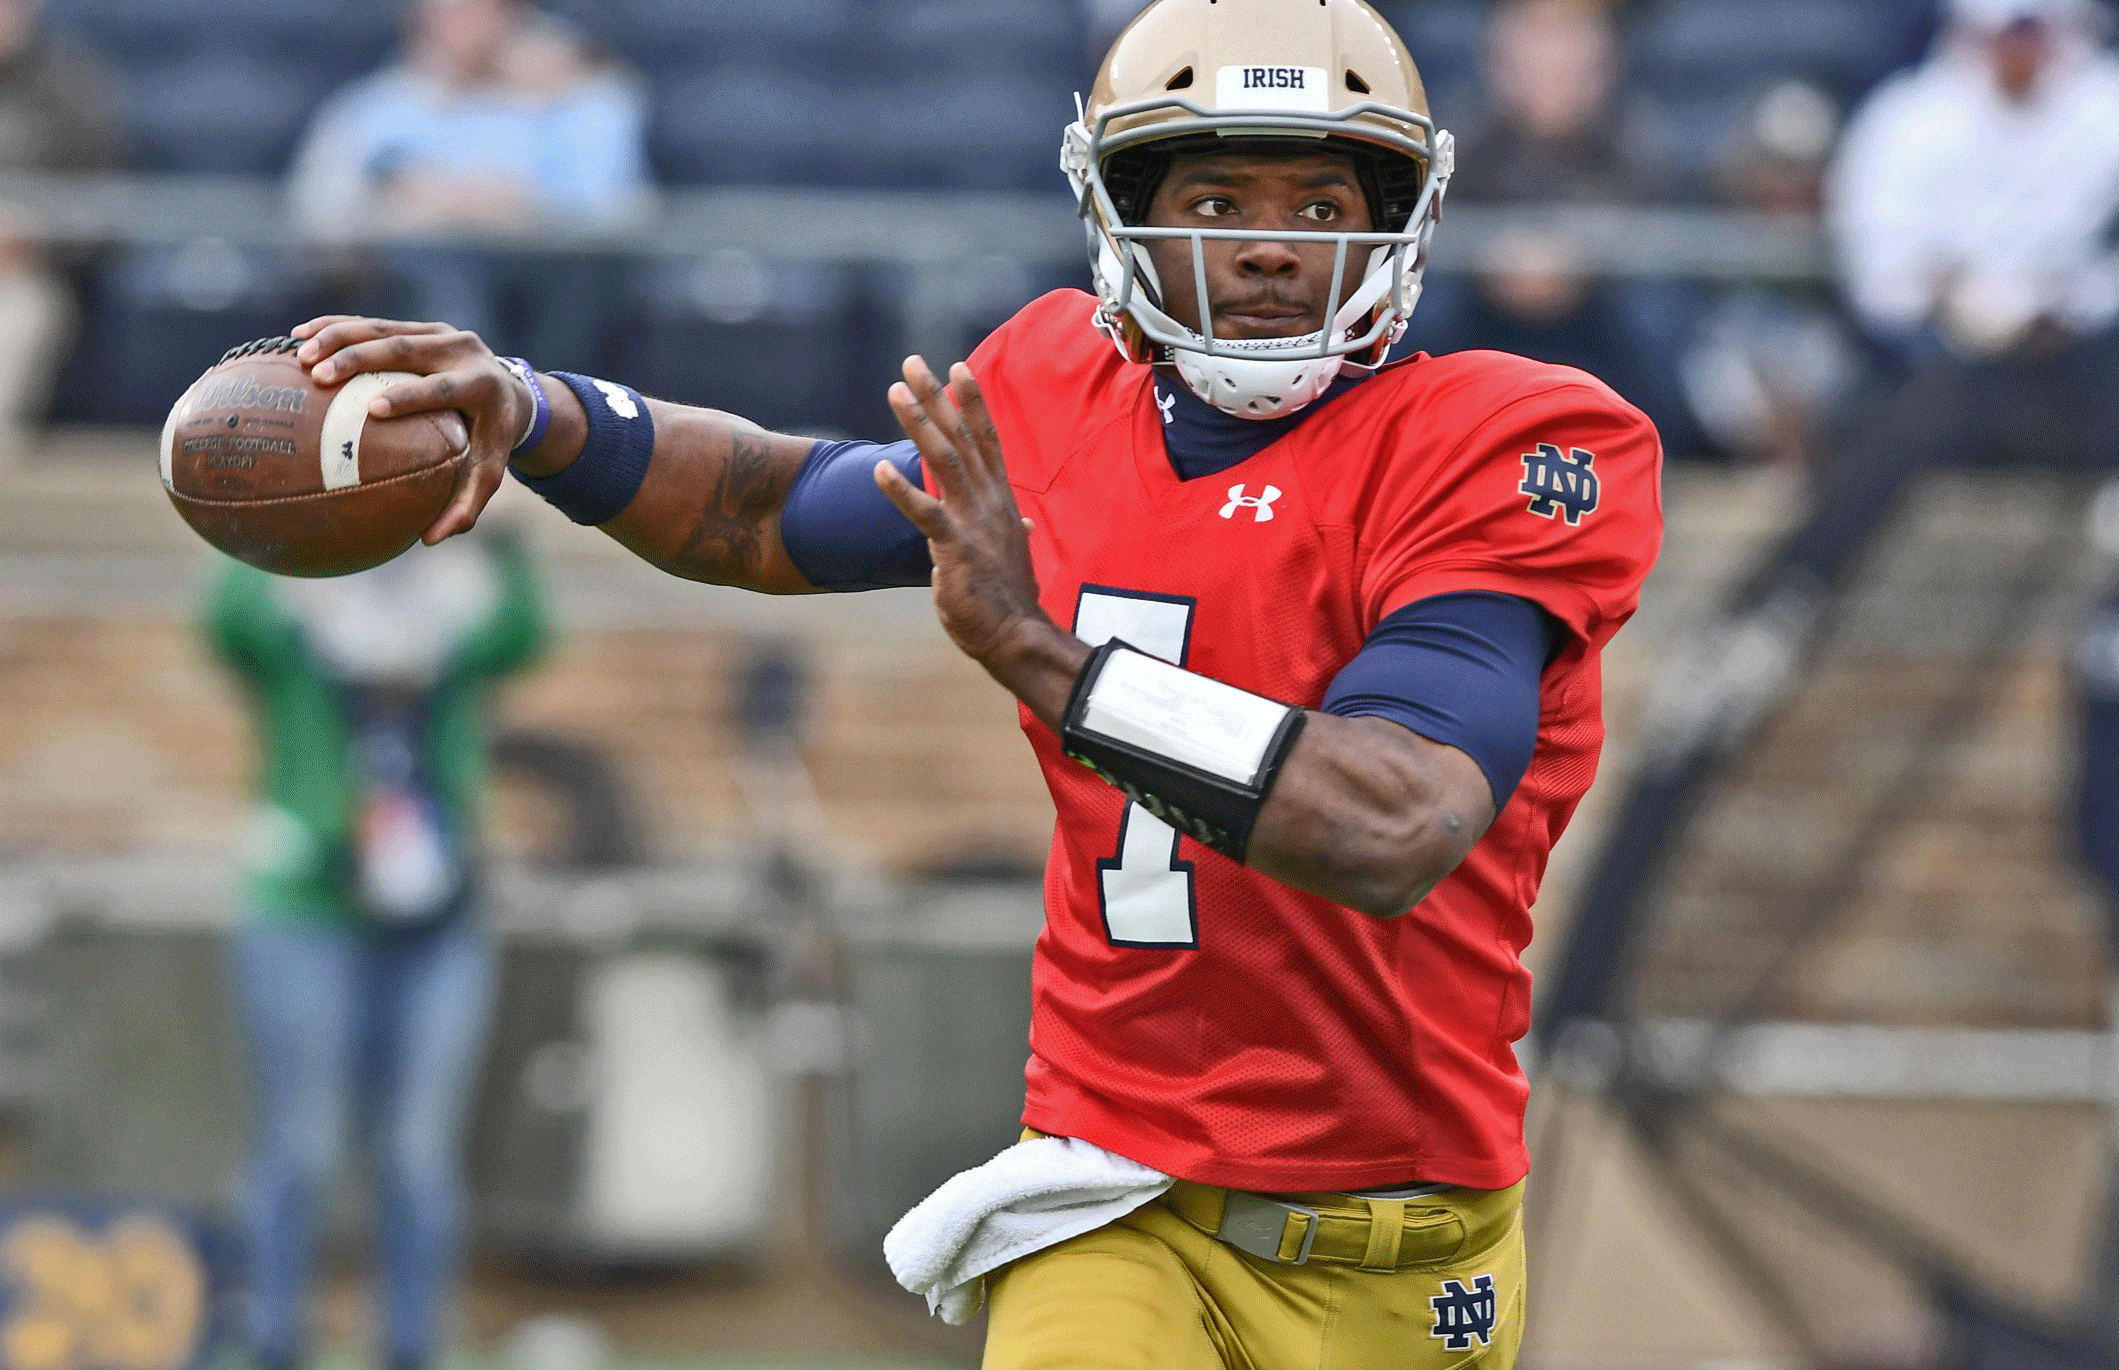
(1307, 644)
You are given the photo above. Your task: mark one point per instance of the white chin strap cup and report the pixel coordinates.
(1255, 387)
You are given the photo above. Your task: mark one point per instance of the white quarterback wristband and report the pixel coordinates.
(1196, 753)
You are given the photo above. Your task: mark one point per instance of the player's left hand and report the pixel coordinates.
(985, 589)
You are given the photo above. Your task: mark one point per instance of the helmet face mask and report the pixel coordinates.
(1272, 108)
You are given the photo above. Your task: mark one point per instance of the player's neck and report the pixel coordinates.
(1204, 441)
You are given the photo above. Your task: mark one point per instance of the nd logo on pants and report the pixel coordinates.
(1425, 1284)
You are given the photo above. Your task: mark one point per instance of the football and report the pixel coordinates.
(296, 478)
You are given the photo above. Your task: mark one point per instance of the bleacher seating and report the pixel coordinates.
(893, 59)
(989, 289)
(1444, 37)
(226, 85)
(336, 39)
(984, 133)
(1691, 133)
(780, 343)
(739, 125)
(230, 113)
(945, 39)
(1700, 67)
(942, 94)
(673, 40)
(1683, 48)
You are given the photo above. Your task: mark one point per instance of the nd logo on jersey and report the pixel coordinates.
(1560, 484)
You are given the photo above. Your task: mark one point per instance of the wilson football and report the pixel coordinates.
(296, 478)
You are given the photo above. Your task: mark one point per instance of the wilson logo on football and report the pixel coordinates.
(244, 392)
(1560, 484)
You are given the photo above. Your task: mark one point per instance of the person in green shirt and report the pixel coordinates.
(364, 973)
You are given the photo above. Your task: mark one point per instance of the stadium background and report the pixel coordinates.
(768, 869)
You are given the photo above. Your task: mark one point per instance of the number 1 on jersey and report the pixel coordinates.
(1146, 892)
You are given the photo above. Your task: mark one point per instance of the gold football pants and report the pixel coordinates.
(1425, 1284)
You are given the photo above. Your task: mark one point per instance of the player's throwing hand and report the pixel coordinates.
(457, 371)
(984, 588)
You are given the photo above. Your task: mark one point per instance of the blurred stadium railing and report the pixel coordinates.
(1834, 881)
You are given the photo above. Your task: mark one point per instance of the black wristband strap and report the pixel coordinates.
(1164, 769)
(613, 461)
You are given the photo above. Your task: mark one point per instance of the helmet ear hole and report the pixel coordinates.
(1355, 83)
(1183, 81)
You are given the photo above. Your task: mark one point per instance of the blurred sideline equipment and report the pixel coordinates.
(297, 479)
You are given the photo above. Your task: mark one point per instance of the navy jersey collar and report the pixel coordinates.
(1204, 441)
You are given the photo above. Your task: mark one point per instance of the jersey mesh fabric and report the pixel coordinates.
(1289, 1044)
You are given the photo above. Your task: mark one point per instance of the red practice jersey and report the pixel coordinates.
(1194, 1015)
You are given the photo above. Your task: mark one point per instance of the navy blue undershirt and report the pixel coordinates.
(1205, 441)
(1462, 670)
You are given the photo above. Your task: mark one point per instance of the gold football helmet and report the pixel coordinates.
(1193, 74)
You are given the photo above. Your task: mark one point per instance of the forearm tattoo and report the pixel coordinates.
(727, 540)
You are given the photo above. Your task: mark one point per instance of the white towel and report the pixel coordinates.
(1033, 1195)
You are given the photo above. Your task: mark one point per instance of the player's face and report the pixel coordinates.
(1258, 288)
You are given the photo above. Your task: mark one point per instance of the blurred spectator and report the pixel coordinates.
(1553, 128)
(56, 114)
(1972, 205)
(1974, 195)
(1552, 134)
(364, 973)
(495, 124)
(1770, 367)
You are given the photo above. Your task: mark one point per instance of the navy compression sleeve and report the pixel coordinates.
(841, 531)
(1462, 670)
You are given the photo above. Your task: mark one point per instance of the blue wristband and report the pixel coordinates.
(540, 414)
(613, 461)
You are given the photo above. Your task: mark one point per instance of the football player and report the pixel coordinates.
(1306, 643)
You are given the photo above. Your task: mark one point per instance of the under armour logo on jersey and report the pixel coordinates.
(621, 403)
(1461, 1314)
(1261, 506)
(1168, 404)
(1560, 484)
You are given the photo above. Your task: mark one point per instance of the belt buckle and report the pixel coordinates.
(1254, 1223)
